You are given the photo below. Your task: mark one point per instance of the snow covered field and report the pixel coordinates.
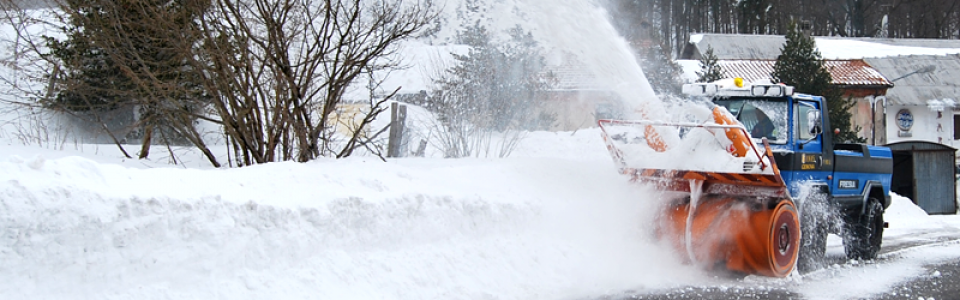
(554, 221)
(351, 229)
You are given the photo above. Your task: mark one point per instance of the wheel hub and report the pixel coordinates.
(783, 239)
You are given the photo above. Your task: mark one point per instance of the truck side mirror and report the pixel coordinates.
(813, 119)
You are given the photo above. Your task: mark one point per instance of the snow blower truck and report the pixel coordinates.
(753, 182)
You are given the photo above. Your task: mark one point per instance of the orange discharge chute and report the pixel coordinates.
(740, 140)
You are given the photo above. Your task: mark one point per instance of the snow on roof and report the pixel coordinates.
(920, 79)
(736, 46)
(570, 74)
(751, 46)
(847, 72)
(892, 58)
(851, 48)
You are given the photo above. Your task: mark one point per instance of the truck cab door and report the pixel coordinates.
(808, 163)
(809, 127)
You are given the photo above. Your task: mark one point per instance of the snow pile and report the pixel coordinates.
(910, 224)
(355, 228)
(697, 148)
(689, 139)
(903, 211)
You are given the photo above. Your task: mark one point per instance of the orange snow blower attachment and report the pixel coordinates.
(742, 236)
(733, 208)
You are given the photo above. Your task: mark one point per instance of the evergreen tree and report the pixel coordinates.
(93, 81)
(662, 73)
(130, 54)
(710, 71)
(495, 85)
(491, 88)
(801, 66)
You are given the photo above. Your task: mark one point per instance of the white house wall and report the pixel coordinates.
(928, 125)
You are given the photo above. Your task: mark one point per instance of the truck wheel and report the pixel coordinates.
(813, 240)
(813, 246)
(865, 233)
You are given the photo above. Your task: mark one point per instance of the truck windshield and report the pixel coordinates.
(762, 117)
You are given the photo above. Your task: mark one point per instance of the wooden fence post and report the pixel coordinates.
(398, 116)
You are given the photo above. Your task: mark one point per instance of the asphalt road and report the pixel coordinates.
(941, 283)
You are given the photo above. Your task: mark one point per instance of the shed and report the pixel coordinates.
(925, 172)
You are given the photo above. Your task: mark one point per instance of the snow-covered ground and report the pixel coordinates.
(554, 221)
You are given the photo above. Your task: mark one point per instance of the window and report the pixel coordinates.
(761, 117)
(956, 127)
(805, 116)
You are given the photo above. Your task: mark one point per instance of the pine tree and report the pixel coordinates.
(662, 72)
(495, 84)
(801, 66)
(710, 70)
(130, 54)
(491, 88)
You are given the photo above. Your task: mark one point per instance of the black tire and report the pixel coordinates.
(813, 246)
(864, 234)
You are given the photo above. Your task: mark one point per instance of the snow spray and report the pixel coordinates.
(582, 28)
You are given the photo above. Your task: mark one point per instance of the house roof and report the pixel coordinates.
(892, 58)
(572, 76)
(751, 46)
(917, 83)
(919, 145)
(734, 46)
(849, 72)
(855, 72)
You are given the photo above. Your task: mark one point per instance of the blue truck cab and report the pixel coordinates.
(840, 188)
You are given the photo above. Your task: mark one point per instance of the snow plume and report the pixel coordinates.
(582, 28)
(577, 27)
(345, 229)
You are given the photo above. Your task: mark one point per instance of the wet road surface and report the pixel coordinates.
(940, 281)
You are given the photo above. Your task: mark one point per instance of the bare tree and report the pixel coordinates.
(272, 73)
(278, 69)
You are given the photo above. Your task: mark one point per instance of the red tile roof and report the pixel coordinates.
(853, 72)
